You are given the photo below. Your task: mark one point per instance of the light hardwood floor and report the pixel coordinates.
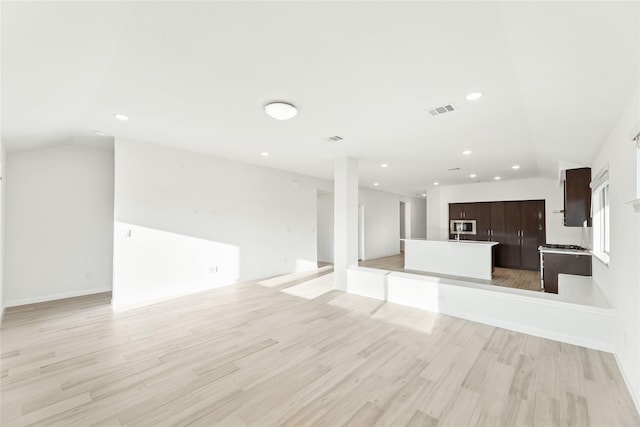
(291, 351)
(506, 277)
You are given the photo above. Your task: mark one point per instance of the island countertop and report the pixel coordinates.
(466, 258)
(468, 242)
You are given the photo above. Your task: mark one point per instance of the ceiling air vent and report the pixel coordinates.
(442, 110)
(334, 138)
(453, 169)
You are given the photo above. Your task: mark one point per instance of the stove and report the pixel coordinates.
(557, 246)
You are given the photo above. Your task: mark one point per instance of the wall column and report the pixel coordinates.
(345, 214)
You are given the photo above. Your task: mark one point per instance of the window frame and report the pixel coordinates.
(601, 205)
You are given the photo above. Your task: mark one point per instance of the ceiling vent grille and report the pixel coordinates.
(334, 138)
(442, 110)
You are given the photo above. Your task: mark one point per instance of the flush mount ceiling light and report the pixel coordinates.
(264, 153)
(515, 167)
(436, 183)
(121, 117)
(424, 194)
(466, 152)
(497, 178)
(280, 110)
(473, 175)
(384, 165)
(375, 184)
(474, 95)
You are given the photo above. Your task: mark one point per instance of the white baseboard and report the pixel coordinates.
(634, 396)
(53, 297)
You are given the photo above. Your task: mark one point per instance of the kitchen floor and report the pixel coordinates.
(507, 277)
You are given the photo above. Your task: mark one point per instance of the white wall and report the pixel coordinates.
(233, 221)
(550, 190)
(382, 221)
(3, 180)
(325, 227)
(620, 280)
(418, 217)
(59, 223)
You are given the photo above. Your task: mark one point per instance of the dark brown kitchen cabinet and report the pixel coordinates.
(525, 232)
(513, 253)
(577, 197)
(555, 264)
(462, 211)
(498, 232)
(483, 221)
(455, 211)
(532, 220)
(518, 227)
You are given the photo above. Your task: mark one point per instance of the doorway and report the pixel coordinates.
(361, 255)
(405, 223)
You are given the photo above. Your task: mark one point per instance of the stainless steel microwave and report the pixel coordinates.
(463, 226)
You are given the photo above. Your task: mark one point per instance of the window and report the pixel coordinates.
(601, 216)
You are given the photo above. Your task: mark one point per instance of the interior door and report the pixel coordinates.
(361, 254)
(512, 255)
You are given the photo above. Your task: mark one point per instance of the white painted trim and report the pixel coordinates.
(54, 297)
(634, 397)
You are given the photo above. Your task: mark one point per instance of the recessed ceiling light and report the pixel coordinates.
(424, 194)
(473, 175)
(280, 110)
(436, 183)
(384, 165)
(264, 153)
(121, 117)
(99, 133)
(474, 95)
(497, 178)
(515, 167)
(375, 184)
(466, 152)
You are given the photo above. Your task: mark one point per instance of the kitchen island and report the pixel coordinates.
(466, 258)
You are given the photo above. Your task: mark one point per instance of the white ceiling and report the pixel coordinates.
(195, 75)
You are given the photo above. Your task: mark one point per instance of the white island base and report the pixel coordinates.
(463, 259)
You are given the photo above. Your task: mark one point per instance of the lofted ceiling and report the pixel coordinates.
(195, 75)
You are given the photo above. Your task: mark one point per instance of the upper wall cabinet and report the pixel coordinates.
(577, 198)
(462, 211)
